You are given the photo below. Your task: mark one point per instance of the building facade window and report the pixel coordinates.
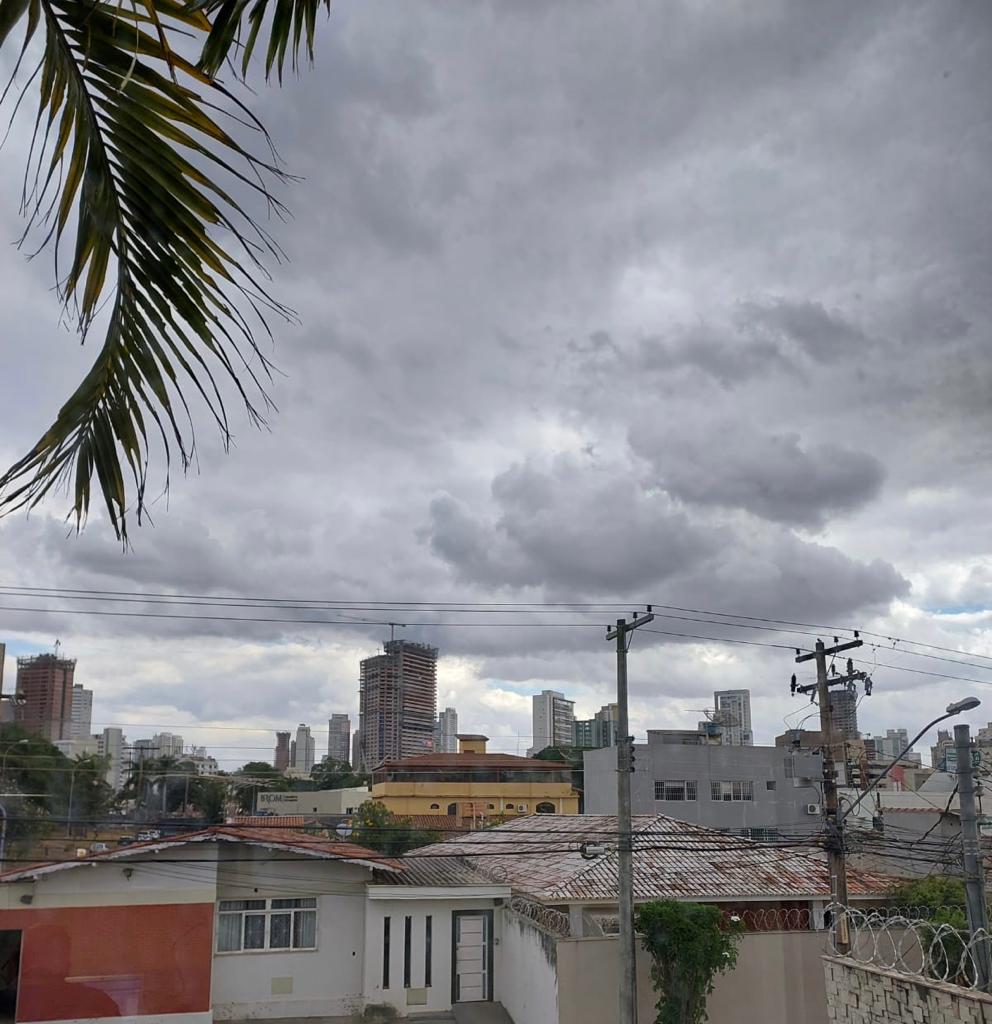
(545, 808)
(675, 789)
(435, 807)
(770, 785)
(790, 767)
(428, 951)
(407, 949)
(385, 952)
(741, 789)
(245, 925)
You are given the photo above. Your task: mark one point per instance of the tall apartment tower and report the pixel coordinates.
(397, 702)
(446, 732)
(601, 730)
(553, 721)
(302, 750)
(733, 712)
(339, 738)
(844, 706)
(82, 712)
(110, 744)
(356, 752)
(45, 680)
(281, 759)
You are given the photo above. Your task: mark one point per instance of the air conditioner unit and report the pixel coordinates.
(814, 809)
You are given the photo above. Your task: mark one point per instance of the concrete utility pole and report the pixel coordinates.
(974, 874)
(834, 821)
(625, 844)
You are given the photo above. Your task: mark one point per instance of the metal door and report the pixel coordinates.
(472, 933)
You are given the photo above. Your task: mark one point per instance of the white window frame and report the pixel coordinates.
(689, 790)
(303, 905)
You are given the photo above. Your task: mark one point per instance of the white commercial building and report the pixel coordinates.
(302, 750)
(733, 713)
(553, 721)
(110, 744)
(82, 712)
(446, 732)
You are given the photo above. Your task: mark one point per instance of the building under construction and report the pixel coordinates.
(397, 702)
(45, 681)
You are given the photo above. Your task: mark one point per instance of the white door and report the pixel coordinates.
(471, 958)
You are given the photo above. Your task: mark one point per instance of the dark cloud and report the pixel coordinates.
(594, 304)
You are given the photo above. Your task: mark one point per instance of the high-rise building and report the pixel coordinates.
(844, 709)
(599, 731)
(110, 744)
(553, 721)
(339, 738)
(168, 744)
(281, 759)
(356, 751)
(446, 732)
(397, 702)
(45, 680)
(733, 714)
(892, 744)
(82, 711)
(302, 750)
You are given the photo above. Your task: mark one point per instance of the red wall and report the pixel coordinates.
(83, 962)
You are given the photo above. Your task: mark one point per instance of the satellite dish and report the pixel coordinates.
(344, 830)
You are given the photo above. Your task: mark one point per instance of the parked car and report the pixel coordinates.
(149, 833)
(99, 848)
(126, 840)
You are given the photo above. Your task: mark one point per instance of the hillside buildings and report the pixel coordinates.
(397, 702)
(553, 718)
(339, 738)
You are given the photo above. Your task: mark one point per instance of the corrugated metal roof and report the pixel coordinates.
(277, 839)
(540, 855)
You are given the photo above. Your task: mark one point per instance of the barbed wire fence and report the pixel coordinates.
(912, 944)
(555, 922)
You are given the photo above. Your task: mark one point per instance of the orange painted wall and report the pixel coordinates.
(83, 962)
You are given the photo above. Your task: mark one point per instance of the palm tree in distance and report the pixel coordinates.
(137, 156)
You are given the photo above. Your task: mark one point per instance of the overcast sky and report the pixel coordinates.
(600, 302)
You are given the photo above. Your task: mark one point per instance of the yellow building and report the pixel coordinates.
(474, 784)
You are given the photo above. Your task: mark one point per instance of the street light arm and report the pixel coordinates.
(892, 764)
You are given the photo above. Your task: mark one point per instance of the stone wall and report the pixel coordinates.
(858, 994)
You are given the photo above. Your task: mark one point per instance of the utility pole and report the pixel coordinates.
(974, 874)
(834, 821)
(625, 843)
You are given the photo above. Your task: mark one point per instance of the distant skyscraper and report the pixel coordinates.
(733, 713)
(281, 759)
(167, 744)
(356, 751)
(339, 738)
(397, 702)
(45, 680)
(553, 721)
(893, 743)
(82, 711)
(446, 732)
(110, 744)
(599, 731)
(302, 750)
(844, 707)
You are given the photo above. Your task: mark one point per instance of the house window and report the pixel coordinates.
(428, 937)
(770, 785)
(407, 944)
(677, 789)
(266, 924)
(435, 807)
(742, 789)
(385, 952)
(545, 808)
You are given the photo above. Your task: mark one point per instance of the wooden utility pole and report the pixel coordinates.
(831, 807)
(625, 839)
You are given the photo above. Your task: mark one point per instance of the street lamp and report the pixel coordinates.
(954, 708)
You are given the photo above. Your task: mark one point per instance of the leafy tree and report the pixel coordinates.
(939, 898)
(332, 774)
(136, 153)
(209, 797)
(689, 944)
(252, 777)
(379, 829)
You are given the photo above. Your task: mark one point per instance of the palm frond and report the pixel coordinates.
(129, 151)
(292, 26)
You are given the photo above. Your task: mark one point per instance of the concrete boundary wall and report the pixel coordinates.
(859, 994)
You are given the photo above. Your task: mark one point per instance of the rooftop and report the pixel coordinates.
(542, 856)
(472, 760)
(282, 840)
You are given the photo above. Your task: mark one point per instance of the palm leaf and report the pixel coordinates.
(292, 26)
(130, 152)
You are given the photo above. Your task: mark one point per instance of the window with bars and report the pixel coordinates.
(675, 789)
(738, 789)
(247, 925)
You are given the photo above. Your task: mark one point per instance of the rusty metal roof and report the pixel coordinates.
(270, 820)
(280, 840)
(541, 856)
